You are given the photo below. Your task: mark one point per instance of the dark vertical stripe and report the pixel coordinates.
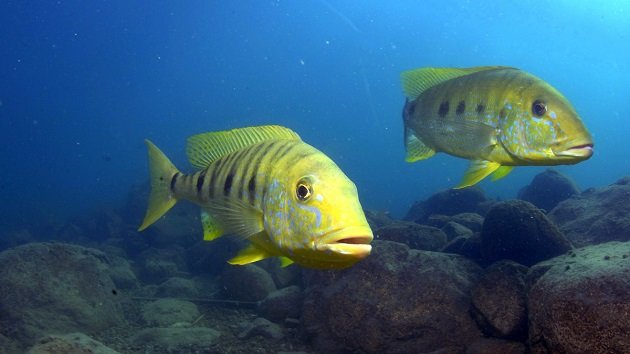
(270, 158)
(246, 161)
(461, 107)
(216, 171)
(231, 169)
(251, 188)
(443, 110)
(285, 150)
(253, 168)
(227, 187)
(174, 181)
(218, 179)
(200, 179)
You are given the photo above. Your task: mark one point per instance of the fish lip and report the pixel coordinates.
(351, 241)
(582, 150)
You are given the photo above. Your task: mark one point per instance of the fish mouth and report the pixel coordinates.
(354, 242)
(583, 151)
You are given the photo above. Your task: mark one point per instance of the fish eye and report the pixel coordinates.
(303, 190)
(539, 108)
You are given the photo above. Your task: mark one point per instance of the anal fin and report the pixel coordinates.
(249, 254)
(478, 170)
(501, 172)
(285, 262)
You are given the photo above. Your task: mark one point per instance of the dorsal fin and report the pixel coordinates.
(416, 81)
(203, 149)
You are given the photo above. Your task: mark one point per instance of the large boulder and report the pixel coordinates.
(468, 246)
(55, 287)
(75, 343)
(448, 202)
(518, 231)
(596, 215)
(547, 189)
(168, 312)
(247, 283)
(283, 303)
(414, 235)
(580, 302)
(500, 301)
(177, 339)
(398, 300)
(178, 288)
(158, 265)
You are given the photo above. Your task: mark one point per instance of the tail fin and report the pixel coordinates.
(161, 199)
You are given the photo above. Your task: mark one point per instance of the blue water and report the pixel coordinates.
(82, 83)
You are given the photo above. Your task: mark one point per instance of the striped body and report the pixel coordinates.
(266, 185)
(243, 175)
(495, 116)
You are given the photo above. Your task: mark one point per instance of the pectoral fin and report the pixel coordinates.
(416, 149)
(478, 170)
(211, 226)
(465, 137)
(236, 217)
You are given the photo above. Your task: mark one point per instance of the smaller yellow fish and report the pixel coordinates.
(266, 185)
(497, 117)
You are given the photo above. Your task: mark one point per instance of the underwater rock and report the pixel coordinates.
(454, 230)
(181, 227)
(167, 312)
(580, 303)
(133, 243)
(8, 345)
(378, 219)
(448, 202)
(247, 283)
(69, 343)
(158, 265)
(210, 258)
(472, 221)
(518, 231)
(55, 287)
(500, 301)
(397, 300)
(414, 235)
(282, 276)
(121, 273)
(177, 339)
(596, 215)
(547, 189)
(207, 286)
(496, 346)
(468, 246)
(177, 287)
(282, 303)
(260, 327)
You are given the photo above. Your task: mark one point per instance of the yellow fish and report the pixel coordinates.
(497, 117)
(266, 185)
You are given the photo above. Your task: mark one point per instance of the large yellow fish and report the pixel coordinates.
(266, 185)
(497, 117)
